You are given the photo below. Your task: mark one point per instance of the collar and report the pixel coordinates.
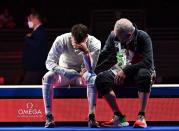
(36, 27)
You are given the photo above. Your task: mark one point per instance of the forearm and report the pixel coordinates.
(108, 53)
(50, 64)
(52, 59)
(87, 59)
(54, 54)
(130, 69)
(146, 62)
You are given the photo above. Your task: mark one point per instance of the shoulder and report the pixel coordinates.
(143, 38)
(93, 41)
(112, 35)
(63, 37)
(143, 34)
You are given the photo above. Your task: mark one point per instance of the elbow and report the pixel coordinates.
(148, 63)
(47, 64)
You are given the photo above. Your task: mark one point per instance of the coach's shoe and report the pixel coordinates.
(117, 121)
(92, 123)
(49, 121)
(140, 122)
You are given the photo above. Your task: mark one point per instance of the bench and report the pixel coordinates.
(23, 103)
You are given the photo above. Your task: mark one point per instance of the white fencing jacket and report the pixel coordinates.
(64, 55)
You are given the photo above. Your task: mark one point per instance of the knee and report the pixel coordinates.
(143, 80)
(103, 84)
(144, 76)
(49, 77)
(99, 79)
(89, 77)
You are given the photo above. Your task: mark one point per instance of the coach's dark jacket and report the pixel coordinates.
(35, 51)
(141, 45)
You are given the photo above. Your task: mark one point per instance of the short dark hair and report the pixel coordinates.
(38, 14)
(79, 32)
